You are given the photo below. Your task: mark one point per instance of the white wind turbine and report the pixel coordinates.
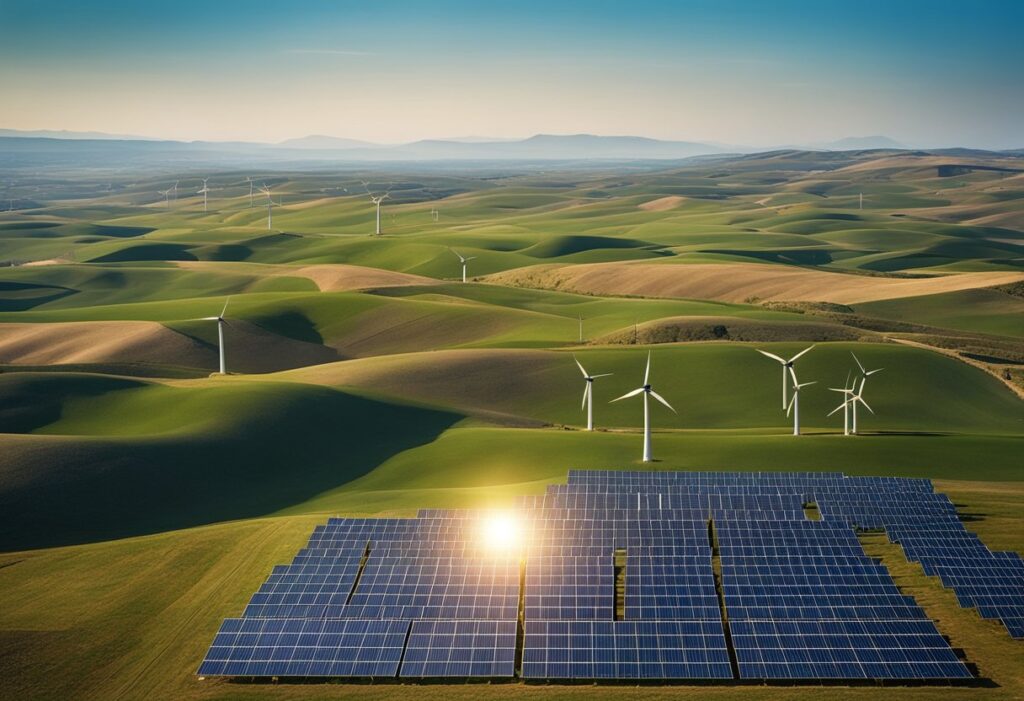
(167, 197)
(221, 323)
(204, 191)
(588, 393)
(864, 375)
(434, 214)
(270, 206)
(850, 405)
(647, 392)
(174, 191)
(464, 261)
(845, 406)
(377, 199)
(787, 366)
(794, 402)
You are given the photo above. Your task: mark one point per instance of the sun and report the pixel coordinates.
(500, 531)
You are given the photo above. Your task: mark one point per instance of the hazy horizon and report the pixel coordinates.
(926, 74)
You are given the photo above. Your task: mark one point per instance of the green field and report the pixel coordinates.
(144, 499)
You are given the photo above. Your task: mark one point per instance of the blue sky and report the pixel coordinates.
(754, 73)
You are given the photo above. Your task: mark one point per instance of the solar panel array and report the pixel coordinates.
(433, 597)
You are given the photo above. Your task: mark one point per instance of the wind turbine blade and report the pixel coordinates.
(837, 409)
(861, 400)
(836, 389)
(771, 355)
(580, 366)
(206, 318)
(793, 359)
(603, 374)
(627, 395)
(792, 374)
(662, 400)
(872, 372)
(789, 407)
(806, 384)
(647, 372)
(226, 303)
(857, 360)
(471, 258)
(586, 391)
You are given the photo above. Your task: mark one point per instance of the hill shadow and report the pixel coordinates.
(64, 491)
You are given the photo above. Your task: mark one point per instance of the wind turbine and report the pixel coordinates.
(464, 261)
(221, 323)
(434, 214)
(647, 392)
(204, 191)
(864, 374)
(794, 402)
(588, 393)
(174, 191)
(167, 197)
(787, 365)
(845, 406)
(270, 206)
(377, 199)
(248, 179)
(850, 401)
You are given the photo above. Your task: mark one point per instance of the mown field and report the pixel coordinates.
(143, 499)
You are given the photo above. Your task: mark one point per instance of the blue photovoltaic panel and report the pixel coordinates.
(843, 650)
(282, 647)
(460, 649)
(625, 650)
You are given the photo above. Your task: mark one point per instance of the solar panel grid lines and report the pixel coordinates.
(473, 648)
(625, 650)
(255, 647)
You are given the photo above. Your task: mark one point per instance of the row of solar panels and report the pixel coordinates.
(579, 650)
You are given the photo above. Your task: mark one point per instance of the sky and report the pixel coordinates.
(927, 73)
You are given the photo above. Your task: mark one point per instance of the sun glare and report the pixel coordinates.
(501, 531)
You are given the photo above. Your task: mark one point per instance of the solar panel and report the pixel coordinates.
(460, 649)
(625, 650)
(289, 647)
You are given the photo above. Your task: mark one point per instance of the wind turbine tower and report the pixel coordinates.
(794, 402)
(270, 207)
(221, 323)
(588, 393)
(646, 390)
(204, 191)
(377, 200)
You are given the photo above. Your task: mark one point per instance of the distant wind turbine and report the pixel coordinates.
(588, 393)
(464, 262)
(248, 179)
(377, 199)
(270, 206)
(646, 390)
(787, 365)
(204, 191)
(794, 402)
(221, 323)
(434, 214)
(854, 398)
(167, 197)
(849, 405)
(174, 191)
(846, 391)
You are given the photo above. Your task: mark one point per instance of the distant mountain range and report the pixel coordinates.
(68, 146)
